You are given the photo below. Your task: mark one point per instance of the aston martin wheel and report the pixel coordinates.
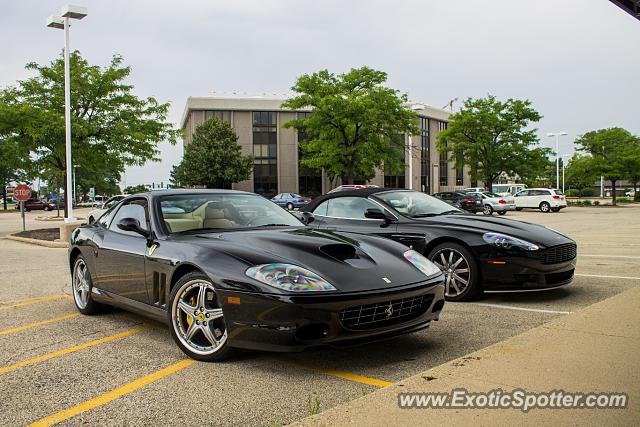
(460, 270)
(545, 207)
(197, 320)
(290, 206)
(487, 210)
(81, 286)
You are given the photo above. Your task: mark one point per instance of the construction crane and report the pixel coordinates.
(450, 104)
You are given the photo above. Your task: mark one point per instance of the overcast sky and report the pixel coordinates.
(578, 61)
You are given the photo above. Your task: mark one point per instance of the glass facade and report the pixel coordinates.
(425, 186)
(224, 116)
(444, 160)
(309, 180)
(265, 151)
(396, 179)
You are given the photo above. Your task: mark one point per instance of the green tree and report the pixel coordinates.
(212, 159)
(612, 153)
(492, 138)
(133, 189)
(111, 127)
(355, 118)
(577, 173)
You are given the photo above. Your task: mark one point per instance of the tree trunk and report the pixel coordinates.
(4, 194)
(488, 183)
(613, 192)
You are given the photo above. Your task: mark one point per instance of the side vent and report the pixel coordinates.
(159, 288)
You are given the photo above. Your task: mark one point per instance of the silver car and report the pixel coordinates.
(492, 202)
(93, 215)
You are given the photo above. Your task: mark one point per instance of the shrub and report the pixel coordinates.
(596, 203)
(574, 192)
(586, 192)
(587, 202)
(623, 199)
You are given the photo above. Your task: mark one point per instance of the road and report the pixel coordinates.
(53, 359)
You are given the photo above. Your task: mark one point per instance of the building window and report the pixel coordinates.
(396, 179)
(223, 116)
(444, 159)
(309, 180)
(460, 171)
(265, 151)
(424, 155)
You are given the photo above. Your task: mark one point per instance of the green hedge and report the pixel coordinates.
(574, 192)
(586, 192)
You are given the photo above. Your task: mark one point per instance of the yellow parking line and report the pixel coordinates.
(40, 323)
(112, 395)
(30, 301)
(37, 359)
(345, 375)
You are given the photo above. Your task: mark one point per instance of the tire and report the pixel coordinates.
(487, 210)
(289, 206)
(518, 209)
(441, 256)
(46, 208)
(90, 220)
(502, 213)
(194, 310)
(555, 209)
(545, 207)
(81, 287)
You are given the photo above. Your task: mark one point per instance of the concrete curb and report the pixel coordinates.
(45, 243)
(574, 352)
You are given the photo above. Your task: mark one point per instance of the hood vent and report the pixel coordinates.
(339, 251)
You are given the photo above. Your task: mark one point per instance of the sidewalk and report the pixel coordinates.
(596, 349)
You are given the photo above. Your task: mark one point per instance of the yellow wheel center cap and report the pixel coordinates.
(201, 317)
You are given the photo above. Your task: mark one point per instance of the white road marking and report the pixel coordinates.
(608, 277)
(513, 307)
(610, 256)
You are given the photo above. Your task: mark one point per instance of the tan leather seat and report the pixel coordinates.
(214, 217)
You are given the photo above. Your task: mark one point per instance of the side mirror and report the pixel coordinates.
(132, 224)
(375, 213)
(307, 218)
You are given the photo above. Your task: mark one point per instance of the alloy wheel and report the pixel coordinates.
(545, 207)
(197, 318)
(81, 286)
(456, 271)
(488, 210)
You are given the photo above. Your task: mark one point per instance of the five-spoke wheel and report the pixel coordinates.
(459, 269)
(81, 286)
(197, 320)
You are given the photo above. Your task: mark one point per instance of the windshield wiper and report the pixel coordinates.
(451, 212)
(273, 225)
(424, 215)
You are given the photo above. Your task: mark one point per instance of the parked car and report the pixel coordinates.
(35, 204)
(630, 193)
(290, 201)
(352, 187)
(461, 200)
(235, 271)
(545, 199)
(93, 215)
(87, 204)
(473, 189)
(475, 253)
(492, 202)
(507, 189)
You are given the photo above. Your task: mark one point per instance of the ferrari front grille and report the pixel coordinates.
(386, 313)
(560, 253)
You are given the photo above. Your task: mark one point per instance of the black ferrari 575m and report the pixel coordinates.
(475, 254)
(227, 269)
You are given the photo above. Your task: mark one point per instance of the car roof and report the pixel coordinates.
(362, 192)
(178, 191)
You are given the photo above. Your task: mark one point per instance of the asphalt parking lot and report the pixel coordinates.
(120, 368)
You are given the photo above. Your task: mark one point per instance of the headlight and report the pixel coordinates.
(421, 263)
(508, 242)
(289, 277)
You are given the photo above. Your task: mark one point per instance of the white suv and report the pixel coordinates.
(545, 199)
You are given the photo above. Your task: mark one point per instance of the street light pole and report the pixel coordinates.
(62, 22)
(557, 135)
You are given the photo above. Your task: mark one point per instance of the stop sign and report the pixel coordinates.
(22, 193)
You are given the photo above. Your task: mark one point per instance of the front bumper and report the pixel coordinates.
(505, 272)
(295, 323)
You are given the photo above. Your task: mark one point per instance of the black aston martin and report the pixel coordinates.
(475, 254)
(227, 269)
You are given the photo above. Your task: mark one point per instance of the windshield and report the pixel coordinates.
(197, 212)
(415, 204)
(486, 193)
